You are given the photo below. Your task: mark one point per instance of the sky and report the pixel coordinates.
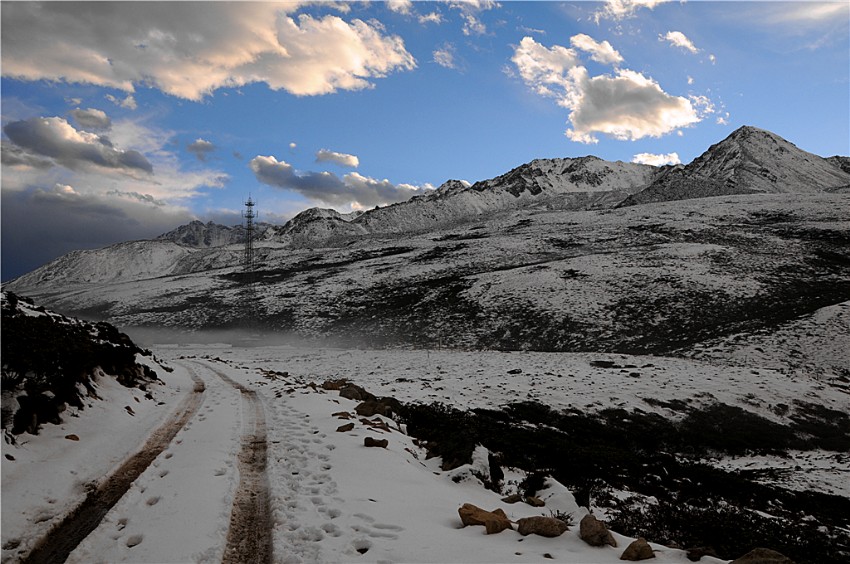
(124, 120)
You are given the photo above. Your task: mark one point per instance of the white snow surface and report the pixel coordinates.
(331, 497)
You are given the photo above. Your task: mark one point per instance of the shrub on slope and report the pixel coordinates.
(50, 362)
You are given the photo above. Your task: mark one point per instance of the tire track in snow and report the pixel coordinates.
(63, 538)
(249, 538)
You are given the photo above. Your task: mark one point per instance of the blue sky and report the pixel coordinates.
(124, 120)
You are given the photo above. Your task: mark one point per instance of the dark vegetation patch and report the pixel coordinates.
(438, 252)
(698, 505)
(48, 362)
(461, 236)
(268, 275)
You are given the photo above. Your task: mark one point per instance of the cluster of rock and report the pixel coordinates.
(591, 530)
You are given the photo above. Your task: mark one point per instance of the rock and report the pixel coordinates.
(494, 521)
(513, 498)
(534, 501)
(638, 550)
(370, 442)
(9, 457)
(515, 371)
(334, 384)
(694, 554)
(762, 556)
(594, 532)
(72, 437)
(341, 415)
(372, 407)
(543, 526)
(355, 392)
(345, 428)
(604, 364)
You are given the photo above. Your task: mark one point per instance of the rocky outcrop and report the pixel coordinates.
(594, 532)
(372, 442)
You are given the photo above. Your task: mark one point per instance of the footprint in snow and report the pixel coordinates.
(135, 540)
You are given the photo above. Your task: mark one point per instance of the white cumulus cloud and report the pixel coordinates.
(679, 39)
(190, 49)
(342, 159)
(657, 160)
(445, 56)
(626, 105)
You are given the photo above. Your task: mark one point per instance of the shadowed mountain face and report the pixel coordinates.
(752, 233)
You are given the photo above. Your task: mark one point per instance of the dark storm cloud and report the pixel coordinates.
(40, 225)
(55, 138)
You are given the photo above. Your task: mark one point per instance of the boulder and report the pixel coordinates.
(762, 556)
(534, 501)
(695, 553)
(345, 428)
(373, 407)
(334, 384)
(543, 526)
(355, 392)
(494, 521)
(513, 498)
(370, 442)
(594, 532)
(638, 550)
(72, 437)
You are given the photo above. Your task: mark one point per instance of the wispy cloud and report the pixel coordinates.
(679, 39)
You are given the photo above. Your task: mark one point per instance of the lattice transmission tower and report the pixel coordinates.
(249, 215)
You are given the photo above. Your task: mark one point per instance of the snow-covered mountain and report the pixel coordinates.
(749, 161)
(540, 257)
(199, 235)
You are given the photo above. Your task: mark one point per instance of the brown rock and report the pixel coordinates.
(638, 550)
(762, 556)
(594, 532)
(543, 526)
(513, 498)
(341, 415)
(534, 501)
(494, 521)
(355, 392)
(370, 442)
(345, 428)
(373, 407)
(72, 437)
(694, 554)
(334, 384)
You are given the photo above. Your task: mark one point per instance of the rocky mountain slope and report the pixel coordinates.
(538, 258)
(749, 161)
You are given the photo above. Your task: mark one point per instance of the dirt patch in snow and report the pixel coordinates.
(249, 538)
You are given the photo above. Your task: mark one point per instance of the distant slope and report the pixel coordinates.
(749, 161)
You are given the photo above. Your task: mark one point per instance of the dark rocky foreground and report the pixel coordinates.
(51, 362)
(674, 496)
